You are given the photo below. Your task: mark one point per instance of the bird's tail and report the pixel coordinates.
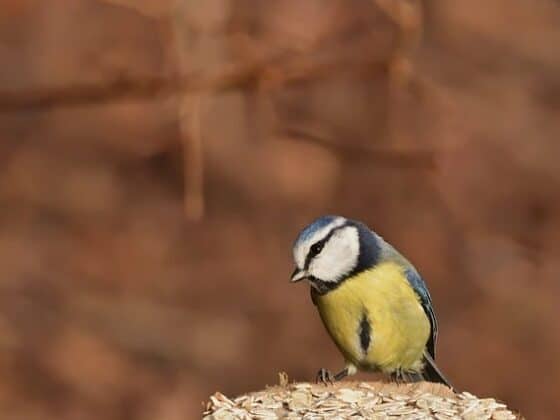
(432, 373)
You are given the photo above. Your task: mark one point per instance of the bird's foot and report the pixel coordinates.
(402, 376)
(397, 377)
(324, 376)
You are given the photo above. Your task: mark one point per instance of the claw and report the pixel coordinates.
(397, 377)
(325, 377)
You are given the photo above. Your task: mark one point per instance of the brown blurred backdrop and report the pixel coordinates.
(159, 158)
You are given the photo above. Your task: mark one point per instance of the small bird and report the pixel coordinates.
(371, 299)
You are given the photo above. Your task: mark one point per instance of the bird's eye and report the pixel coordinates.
(316, 248)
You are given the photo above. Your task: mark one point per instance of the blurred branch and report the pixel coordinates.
(281, 67)
(151, 9)
(423, 159)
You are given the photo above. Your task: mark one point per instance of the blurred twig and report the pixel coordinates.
(407, 15)
(191, 138)
(189, 115)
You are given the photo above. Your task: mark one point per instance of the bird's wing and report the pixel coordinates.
(417, 283)
(426, 300)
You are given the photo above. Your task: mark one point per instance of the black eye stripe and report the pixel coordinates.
(320, 244)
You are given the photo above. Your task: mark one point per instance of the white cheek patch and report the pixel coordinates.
(301, 251)
(338, 257)
(299, 256)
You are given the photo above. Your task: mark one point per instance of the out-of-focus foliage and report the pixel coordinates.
(157, 161)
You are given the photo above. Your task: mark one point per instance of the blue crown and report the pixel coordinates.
(309, 230)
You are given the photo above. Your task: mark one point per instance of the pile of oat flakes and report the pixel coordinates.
(357, 400)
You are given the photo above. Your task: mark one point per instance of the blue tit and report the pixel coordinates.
(372, 301)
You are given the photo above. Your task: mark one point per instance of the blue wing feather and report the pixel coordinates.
(420, 288)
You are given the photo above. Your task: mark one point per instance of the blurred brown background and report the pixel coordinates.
(159, 158)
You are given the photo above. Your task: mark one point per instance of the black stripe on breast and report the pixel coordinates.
(365, 333)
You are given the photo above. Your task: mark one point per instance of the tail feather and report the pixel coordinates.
(432, 373)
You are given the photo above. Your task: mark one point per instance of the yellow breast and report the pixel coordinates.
(399, 325)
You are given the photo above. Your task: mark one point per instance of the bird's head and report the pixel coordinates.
(332, 248)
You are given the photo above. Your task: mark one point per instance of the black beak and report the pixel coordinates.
(298, 275)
